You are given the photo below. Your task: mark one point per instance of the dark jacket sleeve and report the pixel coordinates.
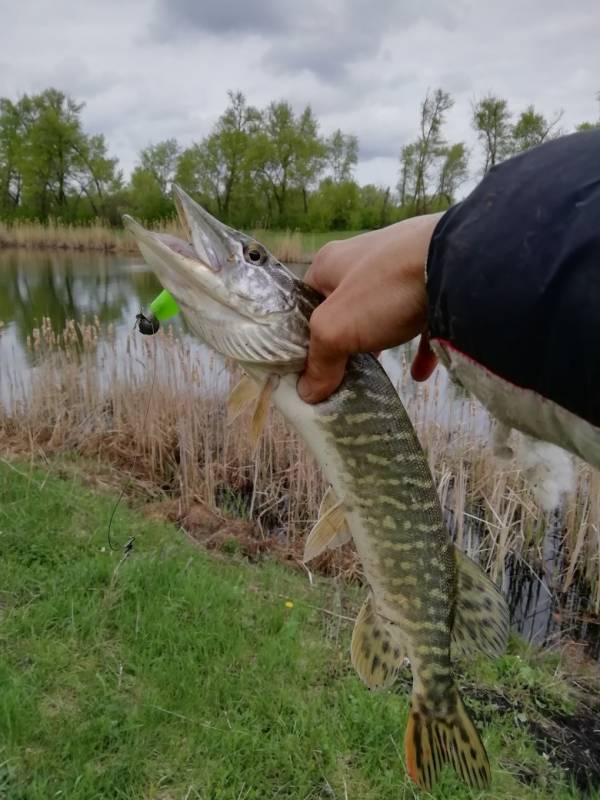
(513, 273)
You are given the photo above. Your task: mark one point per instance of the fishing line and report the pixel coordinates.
(128, 547)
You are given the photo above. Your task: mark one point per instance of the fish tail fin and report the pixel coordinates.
(434, 741)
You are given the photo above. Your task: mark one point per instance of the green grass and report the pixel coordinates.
(181, 674)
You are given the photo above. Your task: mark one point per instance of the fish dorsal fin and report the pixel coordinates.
(481, 621)
(243, 393)
(330, 531)
(376, 654)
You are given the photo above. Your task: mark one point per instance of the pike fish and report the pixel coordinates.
(426, 598)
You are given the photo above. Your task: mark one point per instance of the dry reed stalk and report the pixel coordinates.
(100, 236)
(155, 409)
(288, 246)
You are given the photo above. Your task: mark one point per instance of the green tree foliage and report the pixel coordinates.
(342, 155)
(217, 168)
(255, 167)
(407, 172)
(429, 144)
(430, 169)
(532, 129)
(49, 167)
(288, 157)
(13, 128)
(453, 171)
(491, 121)
(151, 180)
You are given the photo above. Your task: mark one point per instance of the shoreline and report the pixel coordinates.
(290, 247)
(115, 248)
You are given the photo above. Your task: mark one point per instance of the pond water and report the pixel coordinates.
(63, 285)
(83, 285)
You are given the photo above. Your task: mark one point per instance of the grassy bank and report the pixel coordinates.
(287, 246)
(179, 674)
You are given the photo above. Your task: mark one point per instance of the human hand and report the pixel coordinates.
(375, 298)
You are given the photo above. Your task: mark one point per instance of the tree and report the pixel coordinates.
(419, 158)
(13, 127)
(288, 153)
(453, 171)
(335, 205)
(342, 155)
(491, 120)
(406, 185)
(532, 129)
(48, 165)
(97, 176)
(160, 161)
(310, 155)
(152, 179)
(374, 207)
(218, 166)
(429, 144)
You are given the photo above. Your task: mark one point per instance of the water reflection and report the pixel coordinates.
(65, 286)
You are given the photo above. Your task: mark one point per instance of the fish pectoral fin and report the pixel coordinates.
(433, 741)
(376, 654)
(261, 409)
(246, 391)
(481, 620)
(330, 531)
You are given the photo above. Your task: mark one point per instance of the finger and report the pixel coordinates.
(323, 373)
(327, 269)
(424, 361)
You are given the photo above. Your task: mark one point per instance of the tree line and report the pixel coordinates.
(268, 167)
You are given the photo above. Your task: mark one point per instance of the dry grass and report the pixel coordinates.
(156, 411)
(99, 236)
(60, 236)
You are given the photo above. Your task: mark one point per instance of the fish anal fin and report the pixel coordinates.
(246, 391)
(431, 742)
(330, 499)
(481, 620)
(330, 531)
(376, 654)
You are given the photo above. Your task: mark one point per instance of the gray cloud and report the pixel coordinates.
(176, 18)
(152, 71)
(321, 38)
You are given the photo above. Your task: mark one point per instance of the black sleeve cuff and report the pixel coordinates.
(513, 273)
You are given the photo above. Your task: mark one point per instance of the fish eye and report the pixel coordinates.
(255, 253)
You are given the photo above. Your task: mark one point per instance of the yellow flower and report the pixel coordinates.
(289, 604)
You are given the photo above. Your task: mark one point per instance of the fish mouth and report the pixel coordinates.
(208, 240)
(211, 240)
(189, 269)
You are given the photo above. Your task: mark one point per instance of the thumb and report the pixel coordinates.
(323, 372)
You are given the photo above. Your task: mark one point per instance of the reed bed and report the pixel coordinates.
(155, 409)
(99, 236)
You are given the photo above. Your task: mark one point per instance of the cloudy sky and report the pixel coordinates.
(152, 69)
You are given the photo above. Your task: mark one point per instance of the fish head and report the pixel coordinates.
(233, 293)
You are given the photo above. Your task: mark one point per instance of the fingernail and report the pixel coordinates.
(304, 390)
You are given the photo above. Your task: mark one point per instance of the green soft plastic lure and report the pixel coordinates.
(162, 308)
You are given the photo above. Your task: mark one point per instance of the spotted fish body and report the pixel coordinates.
(369, 451)
(424, 595)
